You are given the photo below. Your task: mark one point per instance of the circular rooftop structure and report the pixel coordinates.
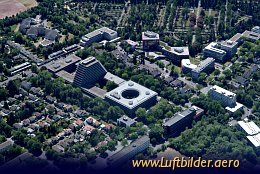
(130, 93)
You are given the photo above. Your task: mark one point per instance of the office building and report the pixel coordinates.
(250, 128)
(125, 121)
(213, 50)
(98, 35)
(174, 125)
(5, 145)
(176, 54)
(128, 152)
(230, 47)
(206, 66)
(67, 64)
(256, 29)
(20, 68)
(254, 140)
(150, 40)
(251, 36)
(237, 38)
(226, 97)
(187, 66)
(89, 71)
(129, 96)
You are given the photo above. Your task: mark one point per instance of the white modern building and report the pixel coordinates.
(230, 47)
(129, 96)
(250, 128)
(213, 50)
(98, 35)
(187, 66)
(206, 66)
(254, 140)
(226, 97)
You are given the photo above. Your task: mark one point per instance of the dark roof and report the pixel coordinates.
(247, 73)
(51, 35)
(168, 79)
(176, 83)
(26, 85)
(179, 116)
(241, 80)
(32, 31)
(26, 23)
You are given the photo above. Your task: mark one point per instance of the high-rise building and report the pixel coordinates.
(89, 71)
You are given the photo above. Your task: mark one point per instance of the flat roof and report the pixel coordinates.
(66, 76)
(61, 63)
(107, 30)
(229, 43)
(5, 144)
(19, 66)
(251, 35)
(249, 127)
(203, 64)
(222, 91)
(111, 77)
(188, 64)
(126, 150)
(143, 94)
(236, 37)
(127, 120)
(212, 47)
(178, 116)
(235, 108)
(255, 139)
(149, 35)
(181, 51)
(96, 91)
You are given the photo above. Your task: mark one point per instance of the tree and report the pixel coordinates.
(227, 73)
(202, 77)
(156, 132)
(110, 85)
(12, 88)
(141, 114)
(124, 142)
(216, 72)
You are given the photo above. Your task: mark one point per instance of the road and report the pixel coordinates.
(123, 13)
(17, 76)
(226, 14)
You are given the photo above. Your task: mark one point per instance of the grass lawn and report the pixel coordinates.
(194, 61)
(13, 27)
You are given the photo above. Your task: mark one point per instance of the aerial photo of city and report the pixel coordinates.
(138, 86)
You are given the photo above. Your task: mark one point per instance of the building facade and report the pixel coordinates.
(177, 123)
(150, 40)
(206, 66)
(97, 36)
(213, 50)
(129, 152)
(89, 71)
